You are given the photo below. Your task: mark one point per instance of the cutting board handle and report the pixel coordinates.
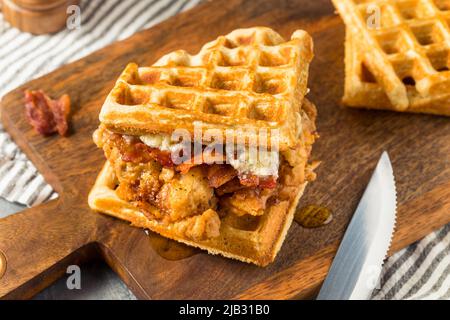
(36, 246)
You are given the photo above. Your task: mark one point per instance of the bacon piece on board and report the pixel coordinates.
(47, 116)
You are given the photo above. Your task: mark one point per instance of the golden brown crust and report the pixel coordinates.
(250, 78)
(400, 66)
(371, 95)
(253, 239)
(258, 246)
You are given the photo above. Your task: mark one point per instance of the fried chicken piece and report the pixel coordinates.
(220, 174)
(138, 182)
(186, 195)
(204, 226)
(230, 187)
(200, 227)
(248, 201)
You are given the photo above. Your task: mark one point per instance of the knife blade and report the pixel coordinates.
(356, 267)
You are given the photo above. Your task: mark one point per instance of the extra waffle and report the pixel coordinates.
(397, 54)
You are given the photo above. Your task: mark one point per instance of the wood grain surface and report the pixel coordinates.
(39, 242)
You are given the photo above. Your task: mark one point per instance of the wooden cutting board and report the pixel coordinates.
(38, 244)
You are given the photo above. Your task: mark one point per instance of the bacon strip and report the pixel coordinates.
(220, 174)
(141, 153)
(188, 165)
(250, 180)
(163, 157)
(230, 187)
(47, 116)
(198, 159)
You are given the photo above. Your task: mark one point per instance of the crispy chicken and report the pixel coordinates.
(189, 196)
(186, 195)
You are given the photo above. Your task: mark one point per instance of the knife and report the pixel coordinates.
(356, 267)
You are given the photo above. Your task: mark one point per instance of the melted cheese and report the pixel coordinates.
(162, 142)
(262, 163)
(259, 163)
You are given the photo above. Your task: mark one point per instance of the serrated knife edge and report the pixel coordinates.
(357, 265)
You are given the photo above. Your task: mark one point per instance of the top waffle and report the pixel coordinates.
(409, 49)
(250, 79)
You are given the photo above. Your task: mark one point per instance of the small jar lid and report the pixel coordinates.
(41, 21)
(40, 4)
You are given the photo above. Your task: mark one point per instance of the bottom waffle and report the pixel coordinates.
(251, 239)
(362, 89)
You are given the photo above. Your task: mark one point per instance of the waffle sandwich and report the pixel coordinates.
(246, 88)
(397, 54)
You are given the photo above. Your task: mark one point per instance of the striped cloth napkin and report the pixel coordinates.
(421, 271)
